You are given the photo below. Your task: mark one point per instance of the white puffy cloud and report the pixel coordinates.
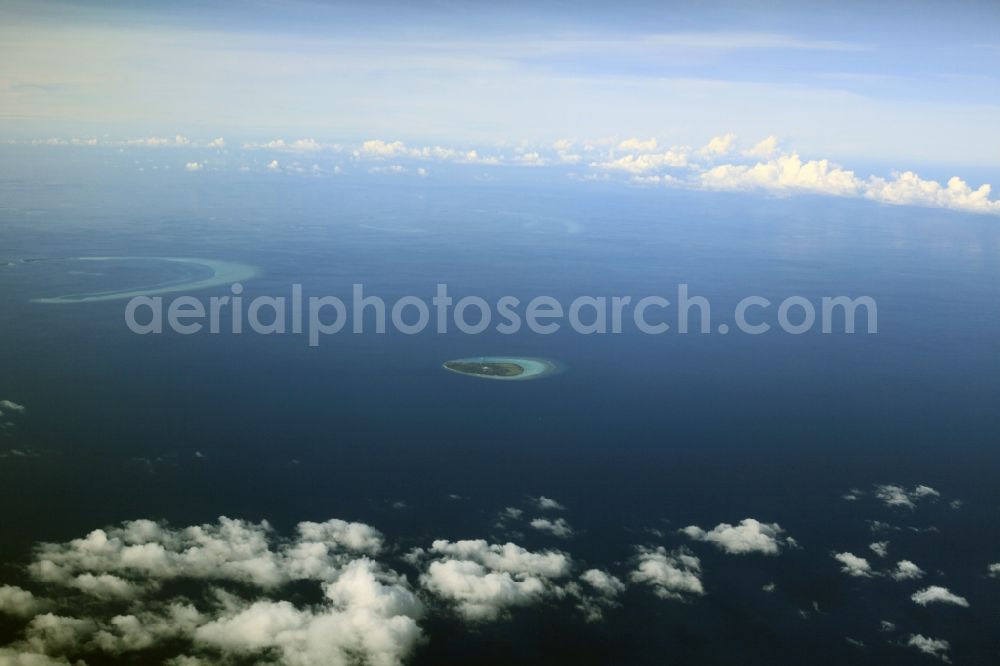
(854, 565)
(638, 145)
(909, 189)
(57, 634)
(750, 536)
(892, 495)
(236, 550)
(131, 633)
(379, 148)
(639, 163)
(718, 145)
(193, 166)
(785, 173)
(764, 148)
(511, 513)
(898, 496)
(367, 617)
(485, 581)
(880, 548)
(9, 406)
(305, 145)
(548, 504)
(672, 575)
(605, 589)
(931, 646)
(107, 586)
(368, 612)
(936, 594)
(273, 165)
(18, 602)
(508, 557)
(218, 142)
(531, 158)
(906, 570)
(994, 570)
(481, 594)
(15, 657)
(558, 527)
(151, 141)
(603, 582)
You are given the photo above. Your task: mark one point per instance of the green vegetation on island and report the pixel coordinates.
(489, 369)
(508, 368)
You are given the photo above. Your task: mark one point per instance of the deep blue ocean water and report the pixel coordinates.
(637, 432)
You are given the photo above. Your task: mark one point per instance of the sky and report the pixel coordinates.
(899, 85)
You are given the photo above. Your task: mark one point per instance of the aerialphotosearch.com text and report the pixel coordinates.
(319, 316)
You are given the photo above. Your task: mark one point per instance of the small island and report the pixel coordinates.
(509, 368)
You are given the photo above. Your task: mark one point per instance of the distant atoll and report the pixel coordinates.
(504, 368)
(223, 273)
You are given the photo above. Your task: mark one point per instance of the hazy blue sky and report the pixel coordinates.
(911, 81)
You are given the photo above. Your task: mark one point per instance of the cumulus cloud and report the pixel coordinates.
(548, 504)
(603, 582)
(368, 613)
(898, 496)
(218, 142)
(785, 173)
(930, 646)
(994, 570)
(14, 657)
(105, 560)
(638, 145)
(379, 148)
(305, 145)
(853, 565)
(640, 163)
(484, 581)
(906, 570)
(18, 602)
(750, 536)
(718, 145)
(273, 165)
(558, 527)
(605, 590)
(193, 166)
(936, 594)
(880, 548)
(481, 594)
(909, 189)
(511, 513)
(11, 407)
(508, 557)
(152, 141)
(763, 149)
(672, 575)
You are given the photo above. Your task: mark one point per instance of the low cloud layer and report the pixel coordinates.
(722, 164)
(337, 592)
